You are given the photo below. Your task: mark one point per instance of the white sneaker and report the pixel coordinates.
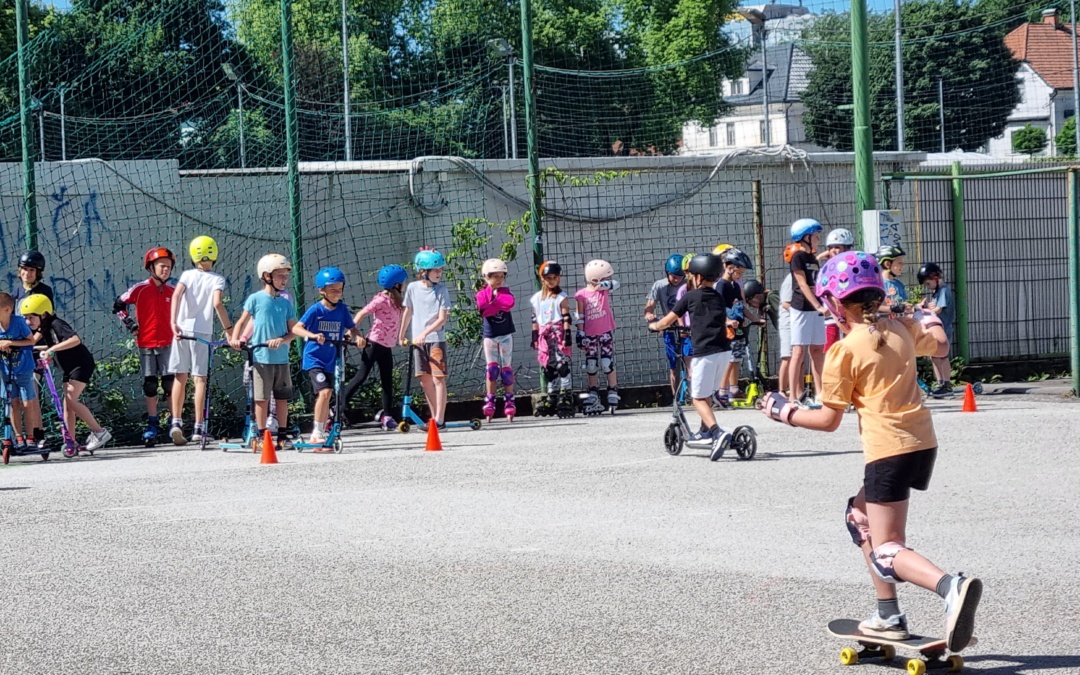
(176, 433)
(97, 439)
(960, 605)
(197, 435)
(317, 438)
(893, 628)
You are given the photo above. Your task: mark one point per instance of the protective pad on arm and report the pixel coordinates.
(882, 557)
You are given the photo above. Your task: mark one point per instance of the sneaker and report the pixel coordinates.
(720, 443)
(177, 435)
(98, 439)
(441, 426)
(893, 628)
(960, 605)
(317, 438)
(387, 423)
(700, 440)
(814, 403)
(284, 442)
(721, 402)
(197, 435)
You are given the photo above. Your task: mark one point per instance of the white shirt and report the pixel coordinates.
(195, 314)
(547, 310)
(786, 291)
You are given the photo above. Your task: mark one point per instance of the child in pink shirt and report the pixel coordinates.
(596, 327)
(495, 302)
(385, 311)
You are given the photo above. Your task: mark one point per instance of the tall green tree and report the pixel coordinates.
(943, 40)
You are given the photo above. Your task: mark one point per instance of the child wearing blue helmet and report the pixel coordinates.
(385, 311)
(663, 295)
(327, 319)
(427, 308)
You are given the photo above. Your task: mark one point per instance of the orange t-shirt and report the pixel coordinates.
(881, 381)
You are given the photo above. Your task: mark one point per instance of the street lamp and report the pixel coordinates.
(345, 77)
(504, 50)
(64, 86)
(234, 76)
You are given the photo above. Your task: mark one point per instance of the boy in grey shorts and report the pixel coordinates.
(427, 306)
(272, 318)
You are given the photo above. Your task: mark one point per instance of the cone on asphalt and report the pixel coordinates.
(433, 442)
(969, 399)
(269, 454)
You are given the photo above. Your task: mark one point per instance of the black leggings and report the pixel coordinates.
(375, 353)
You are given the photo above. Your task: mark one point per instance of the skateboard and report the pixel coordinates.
(931, 650)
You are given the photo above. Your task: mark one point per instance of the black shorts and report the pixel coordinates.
(81, 373)
(892, 479)
(320, 379)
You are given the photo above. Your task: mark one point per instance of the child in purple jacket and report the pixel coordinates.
(495, 302)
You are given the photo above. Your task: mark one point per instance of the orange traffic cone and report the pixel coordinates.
(433, 442)
(969, 399)
(269, 455)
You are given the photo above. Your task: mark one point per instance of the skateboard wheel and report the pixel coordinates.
(916, 667)
(889, 652)
(848, 656)
(956, 663)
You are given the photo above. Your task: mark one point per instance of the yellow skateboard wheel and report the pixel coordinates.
(849, 656)
(956, 663)
(916, 667)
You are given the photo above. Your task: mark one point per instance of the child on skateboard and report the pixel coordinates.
(874, 369)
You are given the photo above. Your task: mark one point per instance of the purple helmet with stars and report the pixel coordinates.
(847, 273)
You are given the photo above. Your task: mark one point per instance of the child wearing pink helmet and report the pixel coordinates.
(873, 367)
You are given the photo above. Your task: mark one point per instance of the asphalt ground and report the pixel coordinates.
(545, 546)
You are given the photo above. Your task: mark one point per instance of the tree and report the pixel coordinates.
(1065, 141)
(1029, 140)
(943, 41)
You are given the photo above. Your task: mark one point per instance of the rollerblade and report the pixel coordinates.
(612, 399)
(489, 406)
(545, 406)
(565, 408)
(387, 423)
(509, 407)
(591, 405)
(153, 429)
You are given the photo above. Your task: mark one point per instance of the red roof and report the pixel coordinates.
(1047, 48)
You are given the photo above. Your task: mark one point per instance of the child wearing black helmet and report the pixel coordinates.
(712, 348)
(938, 300)
(31, 273)
(663, 296)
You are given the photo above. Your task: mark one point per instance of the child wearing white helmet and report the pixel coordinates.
(596, 332)
(272, 318)
(427, 308)
(495, 302)
(196, 298)
(838, 241)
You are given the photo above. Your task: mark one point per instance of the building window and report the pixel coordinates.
(730, 133)
(736, 87)
(713, 133)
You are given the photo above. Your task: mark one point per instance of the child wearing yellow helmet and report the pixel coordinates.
(76, 362)
(197, 297)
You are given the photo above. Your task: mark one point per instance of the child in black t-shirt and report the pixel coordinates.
(60, 341)
(31, 275)
(712, 349)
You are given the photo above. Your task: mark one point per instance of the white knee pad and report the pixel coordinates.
(607, 364)
(882, 557)
(591, 366)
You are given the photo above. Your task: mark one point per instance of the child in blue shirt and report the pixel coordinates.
(272, 318)
(16, 347)
(327, 319)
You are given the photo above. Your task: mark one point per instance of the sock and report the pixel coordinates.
(39, 434)
(703, 429)
(733, 389)
(715, 430)
(944, 585)
(887, 608)
(177, 422)
(319, 426)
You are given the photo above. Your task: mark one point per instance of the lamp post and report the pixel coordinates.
(505, 50)
(231, 73)
(345, 77)
(63, 123)
(899, 78)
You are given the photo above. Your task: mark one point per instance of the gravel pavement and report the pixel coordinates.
(545, 546)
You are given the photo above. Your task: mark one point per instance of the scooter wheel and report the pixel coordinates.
(150, 443)
(673, 441)
(70, 452)
(744, 442)
(474, 424)
(403, 426)
(339, 445)
(977, 388)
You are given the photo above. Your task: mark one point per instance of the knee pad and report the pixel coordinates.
(492, 372)
(882, 558)
(592, 367)
(858, 524)
(564, 368)
(507, 377)
(166, 385)
(551, 372)
(607, 364)
(150, 385)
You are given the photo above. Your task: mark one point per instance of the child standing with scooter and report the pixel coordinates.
(873, 367)
(385, 310)
(427, 307)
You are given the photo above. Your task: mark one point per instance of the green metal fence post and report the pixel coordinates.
(860, 88)
(1074, 279)
(26, 122)
(536, 211)
(292, 154)
(963, 334)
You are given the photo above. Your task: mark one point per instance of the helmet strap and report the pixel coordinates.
(837, 311)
